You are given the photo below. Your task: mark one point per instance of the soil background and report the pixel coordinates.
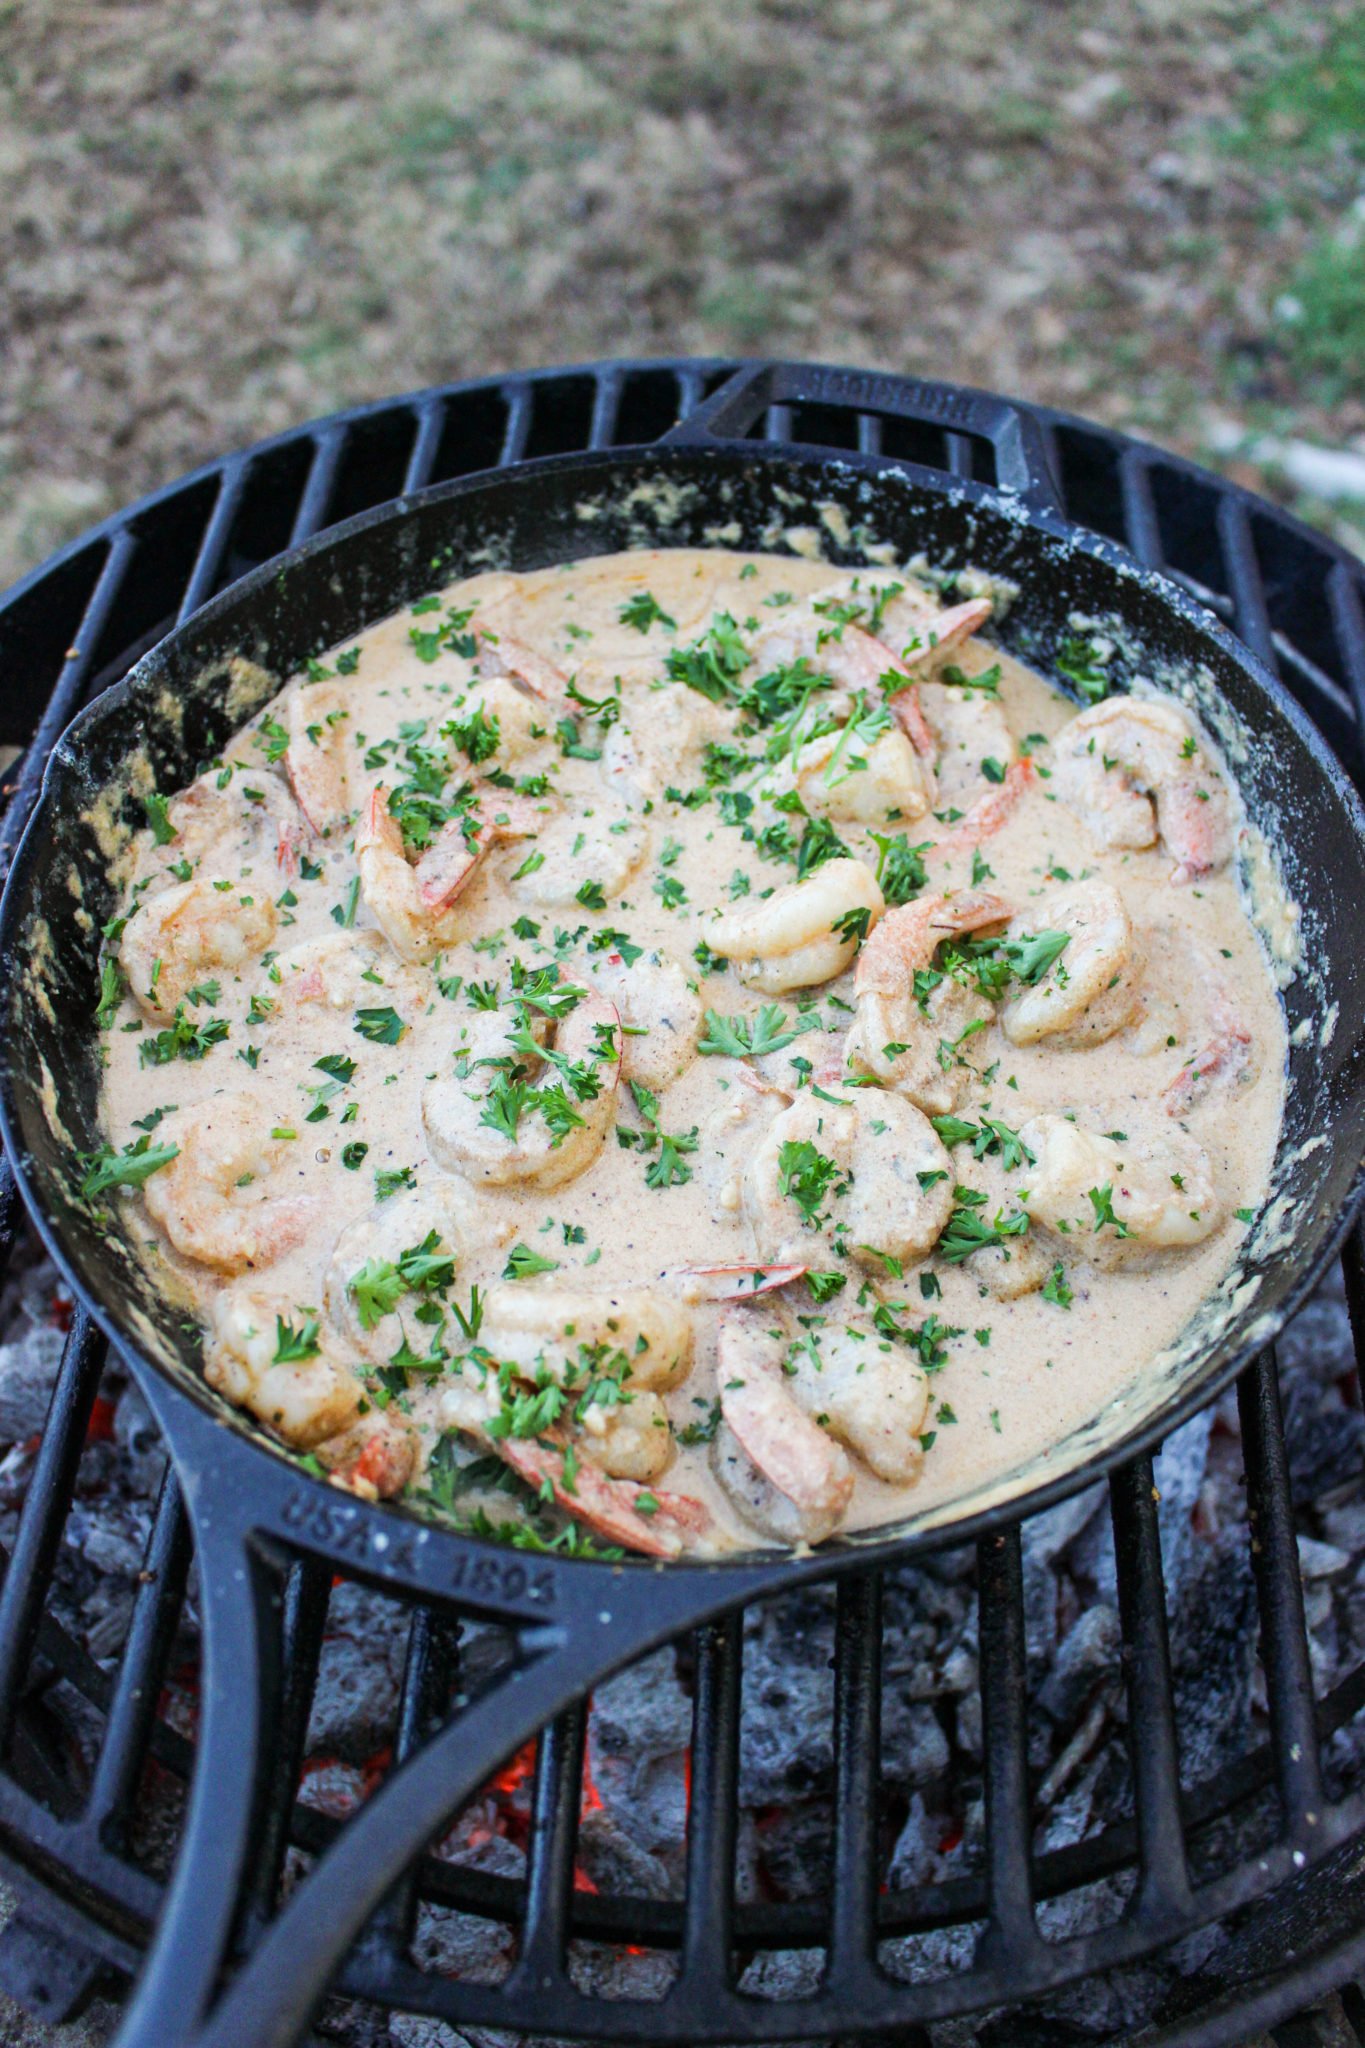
(221, 217)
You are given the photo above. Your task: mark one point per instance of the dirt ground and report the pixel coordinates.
(223, 216)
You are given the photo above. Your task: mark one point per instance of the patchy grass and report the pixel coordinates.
(219, 221)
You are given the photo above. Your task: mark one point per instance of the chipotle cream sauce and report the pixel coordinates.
(610, 770)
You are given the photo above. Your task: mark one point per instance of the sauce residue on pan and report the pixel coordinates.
(688, 1049)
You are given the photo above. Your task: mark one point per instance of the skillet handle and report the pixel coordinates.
(732, 413)
(194, 1991)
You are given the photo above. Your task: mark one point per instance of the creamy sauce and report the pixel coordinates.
(304, 1034)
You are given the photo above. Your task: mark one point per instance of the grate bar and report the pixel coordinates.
(217, 535)
(959, 451)
(605, 406)
(517, 431)
(1139, 508)
(777, 423)
(43, 1515)
(1250, 618)
(426, 446)
(1011, 1933)
(1279, 1592)
(425, 1691)
(132, 1710)
(303, 1622)
(61, 706)
(869, 433)
(554, 1837)
(11, 1211)
(691, 391)
(1348, 623)
(311, 516)
(857, 1756)
(1353, 1271)
(712, 1805)
(1164, 1885)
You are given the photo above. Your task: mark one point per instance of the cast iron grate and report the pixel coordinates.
(92, 1894)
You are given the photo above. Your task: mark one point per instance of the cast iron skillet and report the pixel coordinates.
(707, 481)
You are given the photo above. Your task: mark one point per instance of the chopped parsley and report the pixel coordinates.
(130, 1168)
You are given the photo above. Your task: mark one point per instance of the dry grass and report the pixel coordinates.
(223, 218)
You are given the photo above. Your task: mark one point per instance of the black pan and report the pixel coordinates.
(578, 1620)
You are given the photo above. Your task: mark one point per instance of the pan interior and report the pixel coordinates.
(185, 698)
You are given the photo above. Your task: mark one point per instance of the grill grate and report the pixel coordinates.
(92, 1897)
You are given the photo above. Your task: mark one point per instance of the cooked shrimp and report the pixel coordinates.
(860, 783)
(305, 1400)
(661, 1014)
(604, 847)
(1133, 771)
(914, 1030)
(658, 1524)
(926, 631)
(412, 905)
(500, 653)
(852, 659)
(619, 1510)
(231, 1198)
(509, 719)
(343, 971)
(392, 1232)
(854, 1173)
(567, 1331)
(1224, 1059)
(1088, 992)
(969, 728)
(983, 818)
(320, 754)
(865, 1390)
(1112, 1199)
(657, 740)
(802, 934)
(216, 822)
(733, 1282)
(374, 1458)
(189, 934)
(543, 1138)
(629, 1439)
(804, 1480)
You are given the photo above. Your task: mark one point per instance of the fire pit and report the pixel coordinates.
(1103, 1775)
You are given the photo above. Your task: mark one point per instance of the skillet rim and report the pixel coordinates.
(882, 1545)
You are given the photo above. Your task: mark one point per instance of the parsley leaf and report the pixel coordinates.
(643, 610)
(522, 1262)
(382, 1026)
(293, 1346)
(127, 1169)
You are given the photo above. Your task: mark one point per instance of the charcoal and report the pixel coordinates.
(1317, 1344)
(1326, 1443)
(28, 1373)
(1089, 1655)
(359, 1673)
(601, 1971)
(136, 1434)
(1213, 1651)
(781, 1973)
(419, 2030)
(615, 1863)
(916, 1857)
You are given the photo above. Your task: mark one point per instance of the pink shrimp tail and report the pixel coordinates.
(905, 709)
(668, 1524)
(986, 816)
(739, 1282)
(287, 849)
(449, 862)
